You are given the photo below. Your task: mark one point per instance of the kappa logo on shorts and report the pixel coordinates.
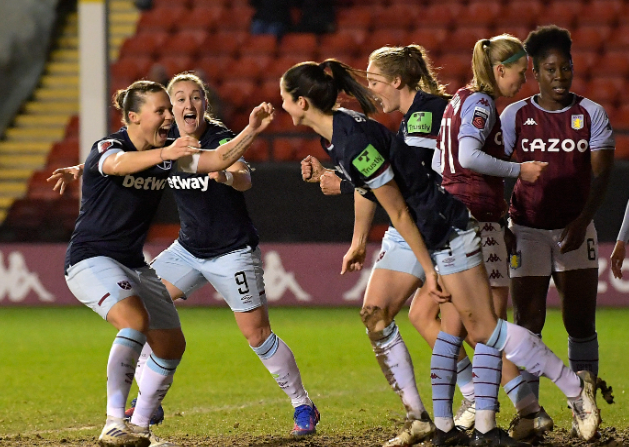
(490, 242)
(515, 260)
(381, 255)
(495, 274)
(489, 227)
(493, 258)
(125, 285)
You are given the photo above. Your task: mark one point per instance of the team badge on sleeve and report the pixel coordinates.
(103, 146)
(368, 161)
(420, 122)
(223, 141)
(479, 120)
(577, 122)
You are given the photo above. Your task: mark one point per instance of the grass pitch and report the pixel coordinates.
(53, 375)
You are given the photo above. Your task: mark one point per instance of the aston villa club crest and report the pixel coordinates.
(577, 122)
(515, 260)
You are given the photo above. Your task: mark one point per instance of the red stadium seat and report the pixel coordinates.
(162, 19)
(146, 44)
(26, 216)
(382, 37)
(259, 150)
(305, 45)
(40, 188)
(396, 16)
(176, 64)
(279, 67)
(65, 152)
(583, 61)
(601, 12)
(455, 65)
(202, 18)
(210, 3)
(249, 67)
(438, 15)
(294, 148)
(259, 44)
(590, 38)
(622, 147)
(269, 91)
(72, 128)
(214, 68)
(340, 46)
(452, 83)
(185, 42)
(236, 92)
(561, 13)
(221, 44)
(521, 32)
(238, 18)
(579, 84)
(432, 39)
(479, 13)
(463, 39)
(619, 39)
(282, 123)
(357, 18)
(161, 4)
(520, 13)
(612, 63)
(606, 89)
(131, 67)
(620, 120)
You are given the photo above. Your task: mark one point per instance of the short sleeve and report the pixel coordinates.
(478, 116)
(507, 123)
(602, 135)
(104, 149)
(372, 167)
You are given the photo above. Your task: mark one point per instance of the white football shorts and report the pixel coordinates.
(238, 275)
(538, 252)
(396, 254)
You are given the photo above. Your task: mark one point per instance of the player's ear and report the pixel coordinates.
(134, 117)
(536, 74)
(397, 82)
(303, 103)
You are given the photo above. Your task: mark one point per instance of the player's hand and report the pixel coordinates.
(330, 183)
(435, 287)
(261, 116)
(218, 176)
(65, 176)
(617, 259)
(354, 259)
(181, 147)
(531, 170)
(573, 235)
(311, 169)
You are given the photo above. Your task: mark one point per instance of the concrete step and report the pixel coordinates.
(34, 134)
(68, 81)
(57, 94)
(124, 16)
(68, 42)
(121, 5)
(24, 120)
(33, 162)
(13, 189)
(65, 55)
(28, 147)
(121, 29)
(64, 108)
(62, 68)
(6, 202)
(16, 174)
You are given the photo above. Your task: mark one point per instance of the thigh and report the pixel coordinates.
(578, 290)
(101, 282)
(533, 252)
(156, 299)
(180, 268)
(396, 255)
(584, 257)
(495, 256)
(500, 297)
(389, 290)
(238, 276)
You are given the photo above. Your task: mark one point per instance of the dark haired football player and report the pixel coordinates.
(552, 218)
(472, 161)
(124, 178)
(618, 255)
(436, 226)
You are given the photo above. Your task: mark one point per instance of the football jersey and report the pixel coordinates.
(213, 216)
(563, 138)
(472, 115)
(420, 125)
(369, 156)
(116, 211)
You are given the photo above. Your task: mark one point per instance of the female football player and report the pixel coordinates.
(434, 224)
(618, 255)
(552, 219)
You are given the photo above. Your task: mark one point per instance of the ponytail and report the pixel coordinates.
(132, 98)
(504, 49)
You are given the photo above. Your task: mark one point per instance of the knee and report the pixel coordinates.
(256, 336)
(375, 318)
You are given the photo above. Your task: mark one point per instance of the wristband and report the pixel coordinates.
(229, 178)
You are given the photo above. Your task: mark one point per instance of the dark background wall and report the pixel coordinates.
(285, 209)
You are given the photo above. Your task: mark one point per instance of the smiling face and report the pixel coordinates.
(385, 90)
(153, 120)
(292, 107)
(189, 105)
(554, 75)
(510, 79)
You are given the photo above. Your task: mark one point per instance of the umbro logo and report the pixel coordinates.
(530, 122)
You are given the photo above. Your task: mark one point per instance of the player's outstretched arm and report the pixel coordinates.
(237, 176)
(227, 154)
(65, 176)
(123, 163)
